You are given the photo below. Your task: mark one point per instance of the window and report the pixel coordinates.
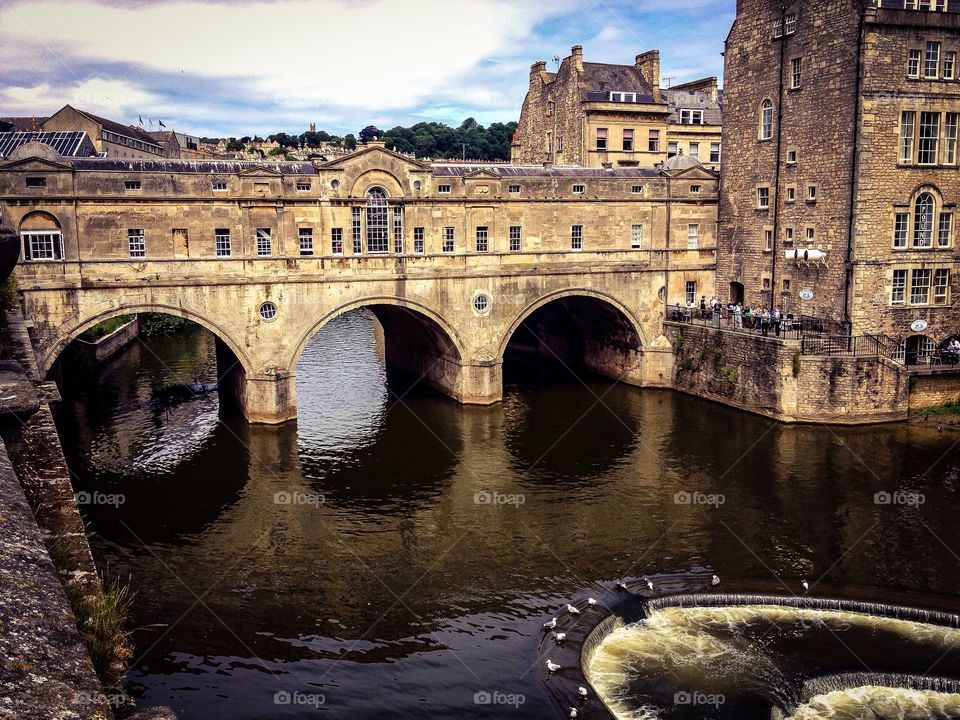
(790, 26)
(786, 286)
(900, 229)
(791, 157)
(42, 244)
(221, 242)
(628, 140)
(268, 311)
(791, 194)
(264, 242)
(336, 241)
(514, 188)
(378, 236)
(941, 286)
(559, 143)
(811, 193)
(949, 65)
(920, 287)
(136, 243)
(636, 237)
(768, 240)
(945, 229)
(131, 184)
(418, 240)
(766, 120)
(796, 73)
(36, 181)
(673, 148)
(715, 152)
(908, 121)
(448, 236)
(303, 185)
(929, 138)
(219, 186)
(550, 107)
(913, 64)
(690, 292)
(763, 198)
(443, 189)
(766, 284)
(695, 189)
(482, 240)
(514, 238)
(811, 234)
(693, 236)
(576, 237)
(691, 117)
(305, 237)
(601, 138)
(950, 138)
(356, 231)
(788, 236)
(898, 293)
(398, 229)
(653, 141)
(637, 189)
(923, 221)
(623, 97)
(578, 189)
(778, 27)
(931, 65)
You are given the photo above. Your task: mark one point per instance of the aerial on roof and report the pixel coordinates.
(68, 144)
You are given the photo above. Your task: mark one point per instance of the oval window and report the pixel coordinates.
(268, 311)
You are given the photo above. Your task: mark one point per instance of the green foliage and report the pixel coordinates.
(277, 151)
(370, 132)
(948, 409)
(153, 324)
(105, 328)
(233, 145)
(102, 615)
(8, 293)
(350, 142)
(731, 375)
(438, 140)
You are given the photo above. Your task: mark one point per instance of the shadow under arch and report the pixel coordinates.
(418, 341)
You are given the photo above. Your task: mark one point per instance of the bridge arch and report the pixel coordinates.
(64, 338)
(419, 341)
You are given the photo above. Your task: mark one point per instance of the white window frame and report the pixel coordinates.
(898, 288)
(336, 241)
(766, 120)
(222, 246)
(622, 96)
(690, 116)
(901, 229)
(690, 292)
(945, 229)
(914, 60)
(136, 243)
(908, 135)
(398, 229)
(483, 239)
(796, 73)
(576, 237)
(931, 59)
(418, 246)
(763, 198)
(305, 240)
(449, 240)
(444, 189)
(693, 236)
(920, 291)
(636, 237)
(941, 286)
(579, 189)
(928, 138)
(264, 239)
(49, 243)
(790, 26)
(516, 234)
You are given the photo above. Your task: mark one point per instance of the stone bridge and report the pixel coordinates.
(526, 250)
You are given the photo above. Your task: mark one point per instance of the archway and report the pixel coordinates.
(419, 345)
(917, 348)
(736, 292)
(577, 330)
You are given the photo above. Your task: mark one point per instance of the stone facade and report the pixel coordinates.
(821, 174)
(598, 114)
(451, 258)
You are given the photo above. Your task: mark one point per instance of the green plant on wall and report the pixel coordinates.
(731, 375)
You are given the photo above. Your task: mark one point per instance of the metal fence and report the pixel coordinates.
(790, 327)
(849, 345)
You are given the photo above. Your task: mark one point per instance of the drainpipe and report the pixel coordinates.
(854, 163)
(775, 200)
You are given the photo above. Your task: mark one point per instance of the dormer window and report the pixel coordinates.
(691, 117)
(624, 97)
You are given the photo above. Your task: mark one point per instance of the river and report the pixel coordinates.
(392, 554)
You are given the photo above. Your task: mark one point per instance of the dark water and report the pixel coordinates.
(387, 587)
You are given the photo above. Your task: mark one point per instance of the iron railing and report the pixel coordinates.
(790, 327)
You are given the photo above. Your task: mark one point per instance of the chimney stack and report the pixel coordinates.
(648, 64)
(576, 55)
(538, 73)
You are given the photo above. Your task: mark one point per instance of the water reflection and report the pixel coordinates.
(386, 586)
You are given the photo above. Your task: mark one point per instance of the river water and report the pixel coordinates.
(392, 554)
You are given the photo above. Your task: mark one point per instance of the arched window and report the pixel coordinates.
(923, 217)
(378, 230)
(41, 237)
(766, 120)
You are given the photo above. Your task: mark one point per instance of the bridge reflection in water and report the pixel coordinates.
(396, 552)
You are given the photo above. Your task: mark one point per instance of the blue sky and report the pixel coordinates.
(242, 68)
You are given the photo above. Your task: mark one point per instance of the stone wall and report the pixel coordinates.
(771, 377)
(933, 390)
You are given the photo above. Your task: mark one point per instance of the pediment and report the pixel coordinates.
(481, 174)
(35, 164)
(375, 155)
(693, 173)
(259, 171)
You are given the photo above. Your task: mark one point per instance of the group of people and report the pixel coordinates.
(739, 317)
(951, 352)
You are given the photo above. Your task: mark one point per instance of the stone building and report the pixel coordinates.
(598, 114)
(111, 138)
(840, 171)
(451, 257)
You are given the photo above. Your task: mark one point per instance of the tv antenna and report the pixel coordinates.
(556, 60)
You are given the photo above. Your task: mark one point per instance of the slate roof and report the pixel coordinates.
(21, 124)
(212, 167)
(684, 99)
(119, 128)
(508, 171)
(606, 78)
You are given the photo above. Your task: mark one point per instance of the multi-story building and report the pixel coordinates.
(841, 164)
(599, 114)
(111, 138)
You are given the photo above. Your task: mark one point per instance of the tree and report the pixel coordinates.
(350, 142)
(233, 145)
(370, 132)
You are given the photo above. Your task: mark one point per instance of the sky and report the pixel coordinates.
(251, 67)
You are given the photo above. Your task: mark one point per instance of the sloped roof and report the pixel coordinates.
(21, 124)
(605, 78)
(687, 100)
(212, 167)
(119, 128)
(509, 171)
(67, 144)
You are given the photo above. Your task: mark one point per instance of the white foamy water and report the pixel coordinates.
(879, 703)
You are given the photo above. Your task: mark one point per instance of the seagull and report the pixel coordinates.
(560, 637)
(550, 624)
(622, 586)
(552, 666)
(582, 691)
(649, 583)
(591, 601)
(572, 610)
(715, 580)
(805, 585)
(573, 712)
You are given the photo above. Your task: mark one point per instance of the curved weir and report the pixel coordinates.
(758, 656)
